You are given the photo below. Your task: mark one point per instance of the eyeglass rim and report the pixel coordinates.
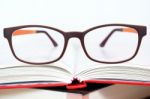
(141, 30)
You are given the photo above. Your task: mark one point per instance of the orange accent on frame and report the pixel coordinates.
(22, 32)
(129, 30)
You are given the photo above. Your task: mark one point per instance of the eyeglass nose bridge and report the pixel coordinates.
(74, 34)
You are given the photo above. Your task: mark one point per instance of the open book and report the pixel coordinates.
(30, 49)
(50, 75)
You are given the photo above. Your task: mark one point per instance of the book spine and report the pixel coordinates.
(76, 84)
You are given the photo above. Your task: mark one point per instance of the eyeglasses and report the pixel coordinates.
(110, 43)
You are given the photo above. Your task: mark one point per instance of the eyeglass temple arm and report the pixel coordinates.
(130, 30)
(22, 32)
(53, 41)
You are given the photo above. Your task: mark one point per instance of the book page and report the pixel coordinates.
(121, 92)
(31, 93)
(34, 73)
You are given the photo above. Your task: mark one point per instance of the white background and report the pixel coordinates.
(74, 15)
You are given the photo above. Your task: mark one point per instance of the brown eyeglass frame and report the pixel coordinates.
(141, 30)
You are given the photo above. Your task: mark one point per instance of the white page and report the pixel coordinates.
(31, 93)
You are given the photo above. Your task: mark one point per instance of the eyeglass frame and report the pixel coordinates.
(141, 30)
